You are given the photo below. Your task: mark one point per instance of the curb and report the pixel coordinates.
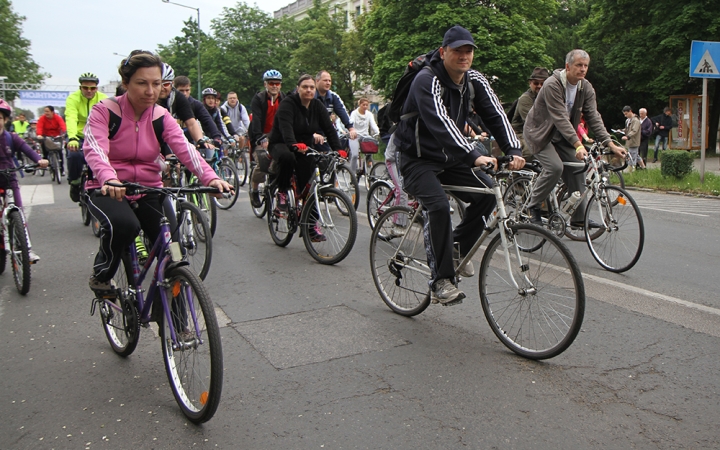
(684, 194)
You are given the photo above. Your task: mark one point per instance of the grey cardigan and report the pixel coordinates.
(549, 121)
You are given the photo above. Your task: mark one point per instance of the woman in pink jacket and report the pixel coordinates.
(132, 155)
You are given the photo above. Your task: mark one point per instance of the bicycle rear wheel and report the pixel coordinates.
(617, 246)
(259, 211)
(398, 261)
(540, 317)
(346, 182)
(280, 223)
(120, 318)
(195, 238)
(193, 360)
(241, 167)
(380, 197)
(19, 252)
(228, 174)
(330, 237)
(378, 172)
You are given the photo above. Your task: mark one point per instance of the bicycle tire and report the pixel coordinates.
(195, 238)
(280, 223)
(3, 258)
(615, 251)
(259, 211)
(541, 317)
(347, 182)
(19, 252)
(380, 197)
(53, 165)
(515, 197)
(228, 173)
(195, 370)
(338, 229)
(121, 323)
(241, 167)
(208, 207)
(378, 172)
(399, 266)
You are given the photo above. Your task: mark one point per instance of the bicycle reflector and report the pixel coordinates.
(176, 289)
(621, 200)
(204, 398)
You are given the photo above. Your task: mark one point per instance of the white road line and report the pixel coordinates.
(673, 211)
(652, 294)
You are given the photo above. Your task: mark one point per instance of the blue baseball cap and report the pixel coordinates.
(458, 36)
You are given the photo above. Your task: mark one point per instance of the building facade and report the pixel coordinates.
(298, 9)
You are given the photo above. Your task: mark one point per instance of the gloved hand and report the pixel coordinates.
(300, 147)
(73, 145)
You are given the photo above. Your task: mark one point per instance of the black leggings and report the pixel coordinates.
(120, 223)
(289, 162)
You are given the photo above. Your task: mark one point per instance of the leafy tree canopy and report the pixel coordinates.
(16, 63)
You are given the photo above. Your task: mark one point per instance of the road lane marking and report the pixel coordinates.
(651, 294)
(673, 211)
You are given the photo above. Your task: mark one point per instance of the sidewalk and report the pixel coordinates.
(712, 163)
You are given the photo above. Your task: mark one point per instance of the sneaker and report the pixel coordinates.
(141, 251)
(34, 258)
(62, 174)
(102, 288)
(316, 234)
(446, 292)
(255, 198)
(282, 201)
(74, 193)
(535, 215)
(397, 231)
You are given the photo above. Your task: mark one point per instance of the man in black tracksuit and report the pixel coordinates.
(436, 110)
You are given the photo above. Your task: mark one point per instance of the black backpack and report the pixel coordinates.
(403, 86)
(510, 111)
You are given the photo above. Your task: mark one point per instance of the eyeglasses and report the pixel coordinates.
(537, 83)
(88, 88)
(138, 52)
(274, 83)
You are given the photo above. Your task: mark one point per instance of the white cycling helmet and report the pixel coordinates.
(168, 74)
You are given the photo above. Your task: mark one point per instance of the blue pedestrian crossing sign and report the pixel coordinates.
(704, 59)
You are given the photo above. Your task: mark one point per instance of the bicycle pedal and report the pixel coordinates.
(457, 301)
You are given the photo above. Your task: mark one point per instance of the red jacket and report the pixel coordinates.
(51, 127)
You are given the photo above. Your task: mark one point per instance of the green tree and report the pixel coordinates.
(182, 53)
(15, 61)
(640, 52)
(564, 29)
(511, 36)
(248, 42)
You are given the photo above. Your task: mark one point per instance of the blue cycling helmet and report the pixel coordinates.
(272, 74)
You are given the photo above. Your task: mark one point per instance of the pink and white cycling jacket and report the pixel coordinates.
(132, 154)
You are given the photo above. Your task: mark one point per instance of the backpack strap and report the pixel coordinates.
(116, 119)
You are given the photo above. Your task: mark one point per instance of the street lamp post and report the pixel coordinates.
(198, 39)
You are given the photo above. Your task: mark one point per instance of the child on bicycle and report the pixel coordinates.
(9, 143)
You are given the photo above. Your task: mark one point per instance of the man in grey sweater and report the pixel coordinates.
(550, 131)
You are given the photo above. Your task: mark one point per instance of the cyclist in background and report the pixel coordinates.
(264, 106)
(238, 115)
(366, 128)
(132, 155)
(51, 125)
(294, 130)
(182, 84)
(77, 109)
(11, 143)
(210, 101)
(21, 125)
(332, 102)
(178, 105)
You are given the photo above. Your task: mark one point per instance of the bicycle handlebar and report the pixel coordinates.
(136, 188)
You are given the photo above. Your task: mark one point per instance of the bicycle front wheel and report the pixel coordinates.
(398, 261)
(19, 252)
(379, 198)
(328, 233)
(379, 172)
(618, 243)
(241, 167)
(228, 174)
(195, 238)
(346, 182)
(540, 316)
(208, 207)
(119, 316)
(191, 346)
(259, 211)
(280, 223)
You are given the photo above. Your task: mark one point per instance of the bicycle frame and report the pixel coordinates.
(498, 216)
(7, 205)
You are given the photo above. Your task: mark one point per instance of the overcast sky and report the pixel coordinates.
(69, 37)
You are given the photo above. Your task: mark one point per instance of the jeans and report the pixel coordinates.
(75, 162)
(658, 140)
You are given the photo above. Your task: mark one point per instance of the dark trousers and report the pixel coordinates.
(289, 162)
(75, 162)
(643, 150)
(423, 180)
(120, 223)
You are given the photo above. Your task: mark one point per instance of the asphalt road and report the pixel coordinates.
(314, 359)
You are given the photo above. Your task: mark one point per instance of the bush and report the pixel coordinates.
(676, 163)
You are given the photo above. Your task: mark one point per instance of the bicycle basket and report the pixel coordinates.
(52, 144)
(368, 145)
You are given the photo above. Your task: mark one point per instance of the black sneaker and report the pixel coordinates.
(255, 198)
(74, 193)
(535, 215)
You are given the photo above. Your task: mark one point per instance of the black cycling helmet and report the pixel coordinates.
(209, 91)
(88, 76)
(272, 74)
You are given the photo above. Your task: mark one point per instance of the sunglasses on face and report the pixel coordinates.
(167, 83)
(274, 83)
(88, 88)
(537, 83)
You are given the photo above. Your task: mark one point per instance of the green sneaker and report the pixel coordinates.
(141, 250)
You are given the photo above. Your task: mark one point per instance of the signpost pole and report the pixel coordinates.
(703, 135)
